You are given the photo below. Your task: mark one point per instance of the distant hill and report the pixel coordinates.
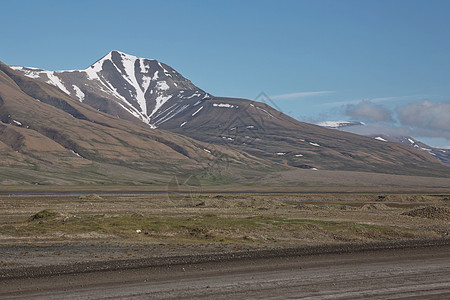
(442, 154)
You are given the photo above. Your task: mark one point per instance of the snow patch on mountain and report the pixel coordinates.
(146, 83)
(339, 124)
(128, 62)
(160, 100)
(78, 93)
(77, 154)
(197, 111)
(28, 71)
(54, 80)
(162, 85)
(144, 68)
(226, 105)
(169, 113)
(380, 139)
(262, 109)
(167, 73)
(196, 94)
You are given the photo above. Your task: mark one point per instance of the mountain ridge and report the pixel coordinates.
(237, 124)
(442, 154)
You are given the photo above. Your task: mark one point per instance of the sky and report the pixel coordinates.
(386, 63)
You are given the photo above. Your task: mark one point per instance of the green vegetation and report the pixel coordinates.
(203, 228)
(43, 214)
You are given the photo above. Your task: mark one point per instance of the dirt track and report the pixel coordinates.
(421, 273)
(224, 246)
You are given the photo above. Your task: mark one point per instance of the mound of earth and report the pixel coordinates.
(90, 197)
(43, 214)
(375, 206)
(49, 215)
(430, 212)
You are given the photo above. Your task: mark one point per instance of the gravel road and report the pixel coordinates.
(412, 273)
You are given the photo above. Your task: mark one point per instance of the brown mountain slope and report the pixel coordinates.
(48, 137)
(262, 131)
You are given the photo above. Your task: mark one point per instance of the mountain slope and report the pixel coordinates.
(262, 131)
(48, 137)
(147, 90)
(442, 154)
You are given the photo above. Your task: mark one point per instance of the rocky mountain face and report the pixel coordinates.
(154, 95)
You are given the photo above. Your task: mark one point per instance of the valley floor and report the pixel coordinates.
(222, 245)
(47, 230)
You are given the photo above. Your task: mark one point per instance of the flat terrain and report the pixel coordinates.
(188, 242)
(58, 229)
(421, 273)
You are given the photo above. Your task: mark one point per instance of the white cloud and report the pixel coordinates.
(375, 100)
(427, 114)
(427, 118)
(300, 95)
(378, 129)
(366, 110)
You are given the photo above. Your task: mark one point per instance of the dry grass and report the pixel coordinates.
(251, 219)
(204, 228)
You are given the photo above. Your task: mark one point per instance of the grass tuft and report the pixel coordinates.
(43, 214)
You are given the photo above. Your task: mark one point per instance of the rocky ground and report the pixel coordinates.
(50, 230)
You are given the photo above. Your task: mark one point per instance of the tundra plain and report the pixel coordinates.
(45, 230)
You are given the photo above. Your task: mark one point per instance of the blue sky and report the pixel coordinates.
(318, 60)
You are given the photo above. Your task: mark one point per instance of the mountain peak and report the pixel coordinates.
(126, 86)
(113, 53)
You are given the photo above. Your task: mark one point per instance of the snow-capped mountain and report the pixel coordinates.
(48, 137)
(144, 90)
(126, 86)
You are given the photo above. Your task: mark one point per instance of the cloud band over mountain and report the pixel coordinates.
(421, 118)
(427, 118)
(367, 110)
